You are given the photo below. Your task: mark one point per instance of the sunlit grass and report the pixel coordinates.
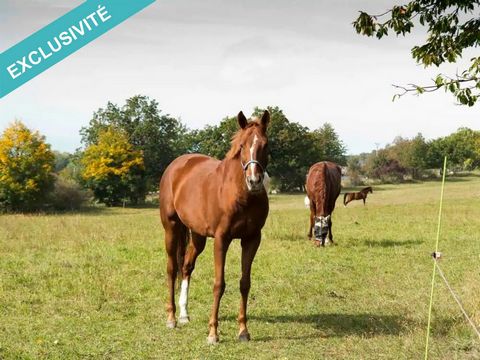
(92, 285)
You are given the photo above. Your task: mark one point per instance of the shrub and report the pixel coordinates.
(66, 195)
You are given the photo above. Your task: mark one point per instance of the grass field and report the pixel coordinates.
(92, 284)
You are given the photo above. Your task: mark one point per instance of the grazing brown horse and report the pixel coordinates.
(323, 187)
(220, 199)
(361, 195)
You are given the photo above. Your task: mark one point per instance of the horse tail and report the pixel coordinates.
(306, 201)
(181, 250)
(345, 199)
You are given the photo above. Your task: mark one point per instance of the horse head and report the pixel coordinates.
(251, 145)
(321, 228)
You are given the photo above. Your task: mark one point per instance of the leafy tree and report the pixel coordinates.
(113, 169)
(72, 171)
(62, 159)
(26, 166)
(409, 153)
(382, 166)
(452, 26)
(328, 144)
(214, 140)
(292, 150)
(293, 147)
(418, 151)
(390, 171)
(354, 170)
(379, 165)
(461, 148)
(161, 138)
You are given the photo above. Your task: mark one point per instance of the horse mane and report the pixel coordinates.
(237, 139)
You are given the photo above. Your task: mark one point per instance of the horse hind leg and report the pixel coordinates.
(195, 248)
(174, 233)
(312, 219)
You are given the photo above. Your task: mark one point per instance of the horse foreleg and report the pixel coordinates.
(220, 251)
(364, 198)
(195, 248)
(330, 235)
(249, 249)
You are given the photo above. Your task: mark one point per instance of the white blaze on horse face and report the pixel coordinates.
(252, 150)
(183, 301)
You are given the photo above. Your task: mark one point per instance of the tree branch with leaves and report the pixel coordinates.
(452, 26)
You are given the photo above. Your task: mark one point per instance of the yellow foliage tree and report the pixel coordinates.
(26, 166)
(112, 169)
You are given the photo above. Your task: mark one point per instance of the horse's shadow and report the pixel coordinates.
(339, 325)
(392, 243)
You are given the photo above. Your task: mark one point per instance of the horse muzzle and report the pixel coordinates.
(254, 183)
(254, 175)
(320, 232)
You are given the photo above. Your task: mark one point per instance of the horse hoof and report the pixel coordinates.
(183, 320)
(244, 337)
(212, 340)
(171, 324)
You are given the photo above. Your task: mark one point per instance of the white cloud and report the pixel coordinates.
(203, 61)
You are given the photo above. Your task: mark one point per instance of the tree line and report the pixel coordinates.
(152, 140)
(416, 158)
(125, 150)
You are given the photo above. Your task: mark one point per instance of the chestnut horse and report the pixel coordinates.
(323, 187)
(361, 195)
(220, 199)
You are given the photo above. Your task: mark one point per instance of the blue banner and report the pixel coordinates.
(61, 38)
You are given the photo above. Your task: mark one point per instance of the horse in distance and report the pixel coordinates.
(361, 195)
(206, 197)
(323, 188)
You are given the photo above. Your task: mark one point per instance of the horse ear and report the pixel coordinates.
(242, 120)
(265, 119)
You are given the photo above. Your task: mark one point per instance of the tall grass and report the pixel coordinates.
(92, 285)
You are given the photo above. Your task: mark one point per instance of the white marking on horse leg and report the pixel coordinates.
(183, 302)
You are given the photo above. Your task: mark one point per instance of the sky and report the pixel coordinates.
(205, 60)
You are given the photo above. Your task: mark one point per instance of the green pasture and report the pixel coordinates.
(91, 285)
